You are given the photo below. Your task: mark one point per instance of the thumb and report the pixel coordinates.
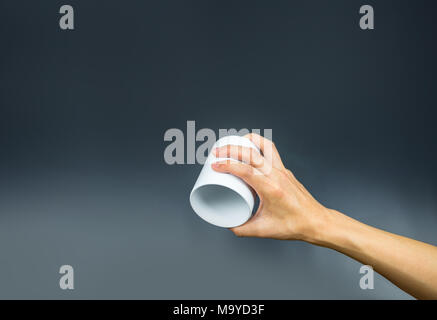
(249, 229)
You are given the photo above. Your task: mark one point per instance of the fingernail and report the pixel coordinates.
(215, 165)
(215, 151)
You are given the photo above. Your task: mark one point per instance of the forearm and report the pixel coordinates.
(409, 264)
(288, 211)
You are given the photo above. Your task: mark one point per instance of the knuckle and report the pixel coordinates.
(256, 158)
(222, 151)
(231, 165)
(222, 166)
(276, 192)
(245, 170)
(228, 166)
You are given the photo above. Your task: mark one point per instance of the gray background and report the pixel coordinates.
(83, 114)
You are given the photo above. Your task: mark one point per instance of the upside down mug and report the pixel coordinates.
(223, 199)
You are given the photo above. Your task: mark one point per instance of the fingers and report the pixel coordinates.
(245, 154)
(268, 149)
(249, 174)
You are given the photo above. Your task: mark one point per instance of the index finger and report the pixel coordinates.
(246, 172)
(268, 149)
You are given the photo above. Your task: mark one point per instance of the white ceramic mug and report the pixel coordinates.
(223, 199)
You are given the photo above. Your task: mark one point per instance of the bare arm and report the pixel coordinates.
(409, 264)
(288, 211)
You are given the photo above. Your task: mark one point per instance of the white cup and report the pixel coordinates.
(223, 199)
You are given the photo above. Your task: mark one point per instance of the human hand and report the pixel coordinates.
(286, 210)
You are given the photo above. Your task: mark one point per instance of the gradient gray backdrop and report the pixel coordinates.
(83, 114)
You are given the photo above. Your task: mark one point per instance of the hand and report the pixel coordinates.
(286, 210)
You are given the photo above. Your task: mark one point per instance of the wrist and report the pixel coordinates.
(326, 228)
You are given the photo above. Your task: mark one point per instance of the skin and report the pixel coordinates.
(287, 211)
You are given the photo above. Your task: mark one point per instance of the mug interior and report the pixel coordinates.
(220, 205)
